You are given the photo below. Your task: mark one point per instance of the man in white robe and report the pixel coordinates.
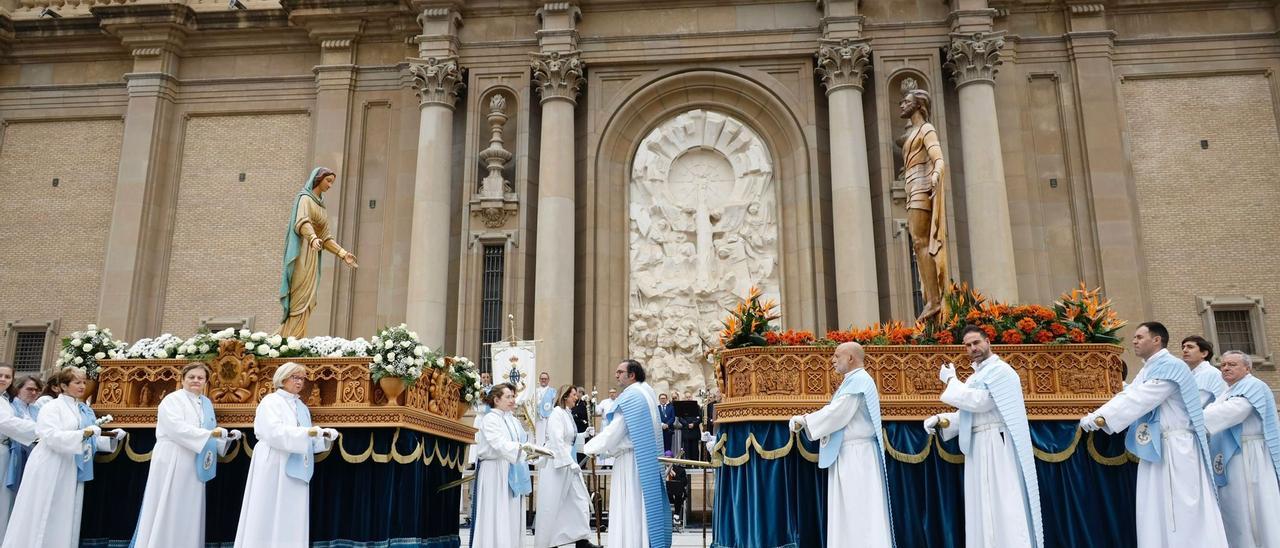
(1245, 444)
(1176, 502)
(1198, 353)
(639, 513)
(853, 454)
(544, 397)
(1001, 492)
(605, 410)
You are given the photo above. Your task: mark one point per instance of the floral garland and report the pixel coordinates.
(1078, 316)
(397, 352)
(467, 375)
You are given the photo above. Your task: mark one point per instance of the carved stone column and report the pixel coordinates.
(558, 77)
(437, 83)
(972, 58)
(843, 66)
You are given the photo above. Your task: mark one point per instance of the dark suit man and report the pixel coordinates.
(667, 415)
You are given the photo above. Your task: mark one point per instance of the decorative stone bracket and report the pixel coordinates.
(558, 76)
(437, 81)
(974, 57)
(843, 63)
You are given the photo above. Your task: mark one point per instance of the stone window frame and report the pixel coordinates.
(217, 323)
(1254, 305)
(48, 355)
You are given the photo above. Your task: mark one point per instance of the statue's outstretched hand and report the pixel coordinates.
(350, 259)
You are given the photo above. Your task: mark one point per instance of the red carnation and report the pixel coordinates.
(1011, 336)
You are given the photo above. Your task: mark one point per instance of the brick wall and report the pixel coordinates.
(228, 238)
(52, 251)
(1209, 220)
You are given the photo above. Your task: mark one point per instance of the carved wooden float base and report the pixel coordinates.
(1059, 382)
(338, 392)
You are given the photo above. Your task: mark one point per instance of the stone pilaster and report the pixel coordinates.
(972, 59)
(843, 66)
(558, 76)
(437, 83)
(132, 291)
(1090, 45)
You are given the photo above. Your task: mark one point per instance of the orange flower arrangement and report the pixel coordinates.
(1011, 336)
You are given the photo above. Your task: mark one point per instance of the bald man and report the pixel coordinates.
(853, 454)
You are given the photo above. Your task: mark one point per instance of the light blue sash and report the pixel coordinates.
(1144, 438)
(84, 461)
(207, 458)
(1209, 379)
(18, 452)
(644, 439)
(1226, 445)
(547, 403)
(301, 465)
(518, 479)
(1002, 382)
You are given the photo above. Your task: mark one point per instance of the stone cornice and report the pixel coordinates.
(558, 75)
(973, 57)
(843, 63)
(436, 81)
(147, 30)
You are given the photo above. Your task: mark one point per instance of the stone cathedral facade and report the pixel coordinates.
(613, 174)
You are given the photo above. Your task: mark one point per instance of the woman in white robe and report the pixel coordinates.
(499, 508)
(27, 390)
(13, 430)
(51, 391)
(46, 512)
(277, 502)
(172, 514)
(563, 506)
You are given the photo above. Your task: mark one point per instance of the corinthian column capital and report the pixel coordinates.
(843, 63)
(436, 81)
(558, 75)
(974, 57)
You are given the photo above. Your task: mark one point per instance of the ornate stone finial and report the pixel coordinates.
(559, 76)
(843, 63)
(974, 57)
(437, 81)
(494, 185)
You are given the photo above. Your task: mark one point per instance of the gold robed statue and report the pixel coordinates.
(922, 169)
(307, 235)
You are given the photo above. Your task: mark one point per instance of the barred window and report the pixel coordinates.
(28, 351)
(491, 301)
(1235, 331)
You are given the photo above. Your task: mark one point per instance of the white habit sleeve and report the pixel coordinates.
(973, 400)
(171, 418)
(607, 441)
(1134, 402)
(832, 417)
(953, 428)
(1223, 414)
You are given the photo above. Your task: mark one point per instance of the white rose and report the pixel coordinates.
(262, 350)
(402, 325)
(417, 351)
(91, 333)
(87, 347)
(244, 333)
(419, 361)
(274, 340)
(376, 339)
(377, 358)
(204, 348)
(100, 356)
(258, 336)
(406, 344)
(93, 327)
(78, 360)
(161, 354)
(414, 334)
(274, 354)
(295, 345)
(76, 342)
(440, 362)
(180, 357)
(391, 357)
(468, 396)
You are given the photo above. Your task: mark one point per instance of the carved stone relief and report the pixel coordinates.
(703, 230)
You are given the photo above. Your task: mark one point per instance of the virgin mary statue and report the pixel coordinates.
(308, 233)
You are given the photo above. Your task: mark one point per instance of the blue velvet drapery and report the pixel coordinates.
(369, 504)
(1087, 499)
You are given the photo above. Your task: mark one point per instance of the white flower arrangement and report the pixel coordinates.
(397, 352)
(163, 347)
(84, 349)
(467, 375)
